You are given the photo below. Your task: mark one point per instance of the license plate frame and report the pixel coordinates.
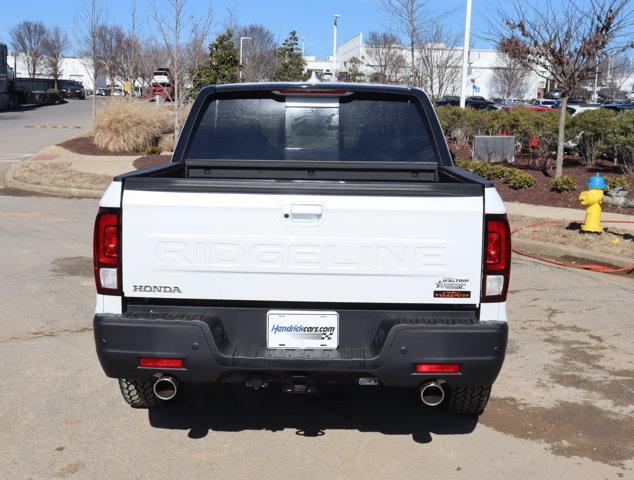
(289, 336)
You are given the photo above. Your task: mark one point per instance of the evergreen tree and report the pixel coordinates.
(290, 62)
(353, 73)
(222, 65)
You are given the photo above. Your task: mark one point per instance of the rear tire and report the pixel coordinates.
(470, 399)
(138, 393)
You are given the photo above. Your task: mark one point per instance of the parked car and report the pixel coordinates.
(72, 89)
(553, 94)
(619, 106)
(472, 102)
(103, 92)
(117, 92)
(576, 108)
(545, 102)
(294, 241)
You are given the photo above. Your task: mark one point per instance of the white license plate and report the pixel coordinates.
(302, 329)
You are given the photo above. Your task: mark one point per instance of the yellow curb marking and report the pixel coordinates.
(52, 126)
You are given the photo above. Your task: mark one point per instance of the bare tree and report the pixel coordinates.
(152, 56)
(564, 42)
(131, 55)
(258, 58)
(55, 44)
(88, 19)
(28, 38)
(384, 55)
(177, 30)
(413, 18)
(510, 80)
(440, 61)
(111, 45)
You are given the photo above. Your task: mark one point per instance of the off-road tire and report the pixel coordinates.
(471, 399)
(138, 393)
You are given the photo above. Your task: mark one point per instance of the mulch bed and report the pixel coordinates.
(542, 194)
(86, 146)
(150, 161)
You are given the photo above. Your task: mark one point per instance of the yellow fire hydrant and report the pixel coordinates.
(591, 199)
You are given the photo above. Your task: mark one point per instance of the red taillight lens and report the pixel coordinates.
(437, 368)
(155, 362)
(107, 251)
(497, 258)
(497, 245)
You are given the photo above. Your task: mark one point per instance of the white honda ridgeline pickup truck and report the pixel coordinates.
(304, 233)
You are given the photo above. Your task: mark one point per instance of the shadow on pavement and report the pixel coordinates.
(231, 408)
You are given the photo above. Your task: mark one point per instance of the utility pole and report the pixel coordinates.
(241, 39)
(334, 46)
(303, 45)
(465, 55)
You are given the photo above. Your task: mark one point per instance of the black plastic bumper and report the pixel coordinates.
(209, 355)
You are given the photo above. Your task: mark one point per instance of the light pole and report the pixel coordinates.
(465, 55)
(241, 39)
(335, 19)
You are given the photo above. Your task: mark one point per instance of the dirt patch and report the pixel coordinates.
(72, 266)
(613, 241)
(70, 469)
(151, 160)
(59, 174)
(570, 429)
(86, 146)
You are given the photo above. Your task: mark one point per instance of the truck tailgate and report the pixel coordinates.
(302, 248)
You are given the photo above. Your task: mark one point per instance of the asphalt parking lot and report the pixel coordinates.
(562, 407)
(28, 129)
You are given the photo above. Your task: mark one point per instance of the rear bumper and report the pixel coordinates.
(209, 355)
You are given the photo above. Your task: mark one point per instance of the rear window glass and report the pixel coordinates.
(355, 128)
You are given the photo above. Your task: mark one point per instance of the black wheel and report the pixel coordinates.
(138, 393)
(471, 399)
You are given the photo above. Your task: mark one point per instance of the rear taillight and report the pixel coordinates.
(497, 258)
(107, 251)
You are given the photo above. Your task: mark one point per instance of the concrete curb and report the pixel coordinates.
(12, 182)
(562, 251)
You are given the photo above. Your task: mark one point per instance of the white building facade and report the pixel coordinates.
(483, 64)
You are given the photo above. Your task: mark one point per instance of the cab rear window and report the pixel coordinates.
(386, 128)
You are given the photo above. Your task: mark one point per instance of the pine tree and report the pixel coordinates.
(222, 65)
(290, 62)
(353, 73)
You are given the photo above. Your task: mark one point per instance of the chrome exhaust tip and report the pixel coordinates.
(432, 394)
(165, 387)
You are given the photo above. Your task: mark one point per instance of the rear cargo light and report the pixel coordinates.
(157, 362)
(312, 91)
(497, 258)
(437, 368)
(107, 251)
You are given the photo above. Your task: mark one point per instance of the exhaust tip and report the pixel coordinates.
(432, 394)
(165, 387)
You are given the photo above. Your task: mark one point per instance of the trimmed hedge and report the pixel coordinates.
(513, 177)
(565, 183)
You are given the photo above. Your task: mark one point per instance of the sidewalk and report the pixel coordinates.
(568, 214)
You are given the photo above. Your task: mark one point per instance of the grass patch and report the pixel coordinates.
(613, 241)
(59, 174)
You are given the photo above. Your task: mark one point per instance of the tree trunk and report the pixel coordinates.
(559, 163)
(94, 93)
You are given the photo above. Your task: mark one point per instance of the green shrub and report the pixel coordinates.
(591, 128)
(457, 123)
(516, 179)
(620, 140)
(565, 183)
(618, 183)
